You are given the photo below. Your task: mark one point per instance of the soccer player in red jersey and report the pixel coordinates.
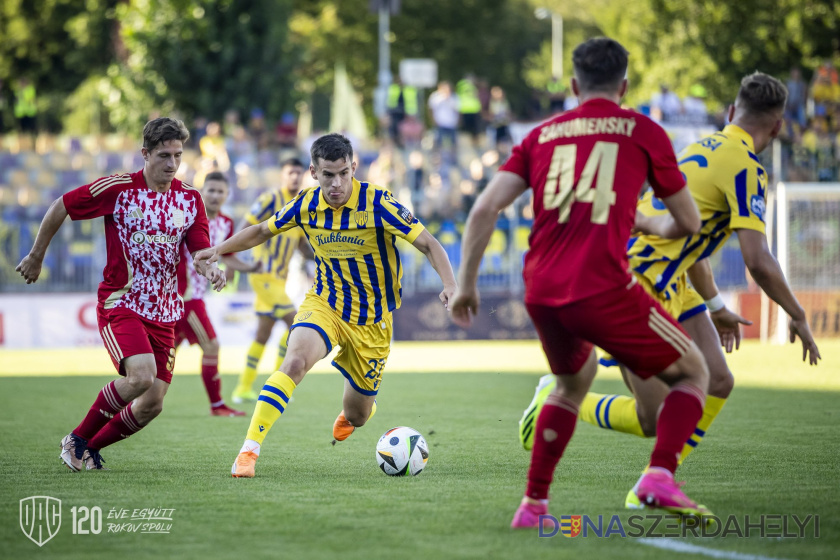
(587, 168)
(147, 216)
(195, 326)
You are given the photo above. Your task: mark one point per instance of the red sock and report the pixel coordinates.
(107, 404)
(555, 427)
(210, 376)
(682, 409)
(120, 427)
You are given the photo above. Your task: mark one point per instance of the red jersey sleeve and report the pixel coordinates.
(229, 225)
(96, 199)
(197, 236)
(182, 270)
(664, 174)
(518, 161)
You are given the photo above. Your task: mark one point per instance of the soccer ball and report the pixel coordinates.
(402, 451)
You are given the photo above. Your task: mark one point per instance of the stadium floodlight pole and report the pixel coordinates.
(381, 94)
(556, 39)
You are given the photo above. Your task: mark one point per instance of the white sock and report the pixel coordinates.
(252, 446)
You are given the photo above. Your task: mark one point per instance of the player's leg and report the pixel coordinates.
(244, 390)
(721, 381)
(364, 353)
(131, 353)
(574, 361)
(308, 343)
(283, 347)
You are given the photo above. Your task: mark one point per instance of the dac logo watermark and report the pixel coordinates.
(670, 526)
(40, 519)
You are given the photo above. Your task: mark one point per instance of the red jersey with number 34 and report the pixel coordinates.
(586, 168)
(143, 230)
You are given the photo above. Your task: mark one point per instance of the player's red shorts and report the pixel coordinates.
(125, 333)
(625, 322)
(195, 325)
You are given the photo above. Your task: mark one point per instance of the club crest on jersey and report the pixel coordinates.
(361, 218)
(177, 217)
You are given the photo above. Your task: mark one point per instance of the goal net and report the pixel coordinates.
(808, 249)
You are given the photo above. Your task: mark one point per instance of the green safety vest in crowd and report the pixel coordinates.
(25, 103)
(409, 98)
(468, 101)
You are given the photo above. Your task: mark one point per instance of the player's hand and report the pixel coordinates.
(447, 293)
(800, 328)
(204, 258)
(30, 268)
(230, 274)
(216, 277)
(464, 305)
(728, 325)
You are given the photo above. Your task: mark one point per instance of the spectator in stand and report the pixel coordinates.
(258, 130)
(401, 102)
(469, 105)
(213, 149)
(556, 95)
(241, 148)
(694, 106)
(286, 131)
(26, 106)
(444, 107)
(665, 106)
(797, 97)
(498, 116)
(231, 122)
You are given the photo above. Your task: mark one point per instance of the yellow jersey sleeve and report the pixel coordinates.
(397, 219)
(745, 189)
(287, 217)
(262, 208)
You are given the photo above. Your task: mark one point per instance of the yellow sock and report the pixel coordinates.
(281, 352)
(271, 403)
(249, 374)
(710, 412)
(613, 412)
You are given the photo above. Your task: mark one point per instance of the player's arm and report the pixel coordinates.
(309, 265)
(728, 323)
(431, 247)
(502, 190)
(683, 218)
(767, 273)
(246, 239)
(233, 262)
(30, 266)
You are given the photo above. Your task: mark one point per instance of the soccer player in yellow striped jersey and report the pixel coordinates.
(729, 186)
(352, 227)
(271, 302)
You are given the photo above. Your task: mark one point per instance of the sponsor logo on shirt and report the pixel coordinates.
(335, 237)
(406, 215)
(141, 237)
(758, 206)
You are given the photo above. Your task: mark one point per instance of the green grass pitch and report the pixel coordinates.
(773, 450)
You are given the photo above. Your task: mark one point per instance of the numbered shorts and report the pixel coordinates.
(364, 348)
(680, 300)
(125, 333)
(271, 298)
(194, 326)
(626, 322)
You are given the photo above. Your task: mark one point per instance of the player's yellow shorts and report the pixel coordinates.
(679, 299)
(364, 348)
(271, 298)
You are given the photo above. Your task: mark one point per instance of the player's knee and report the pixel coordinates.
(692, 368)
(647, 422)
(294, 367)
(356, 418)
(721, 382)
(140, 380)
(211, 348)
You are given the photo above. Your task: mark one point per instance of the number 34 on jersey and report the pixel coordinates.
(560, 190)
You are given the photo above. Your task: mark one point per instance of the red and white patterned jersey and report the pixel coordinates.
(586, 168)
(191, 284)
(143, 232)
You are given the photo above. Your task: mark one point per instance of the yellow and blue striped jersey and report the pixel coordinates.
(276, 253)
(729, 185)
(355, 247)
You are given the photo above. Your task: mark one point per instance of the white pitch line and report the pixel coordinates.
(679, 546)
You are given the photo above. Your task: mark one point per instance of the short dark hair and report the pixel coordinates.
(331, 147)
(600, 64)
(162, 130)
(217, 176)
(291, 161)
(761, 95)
